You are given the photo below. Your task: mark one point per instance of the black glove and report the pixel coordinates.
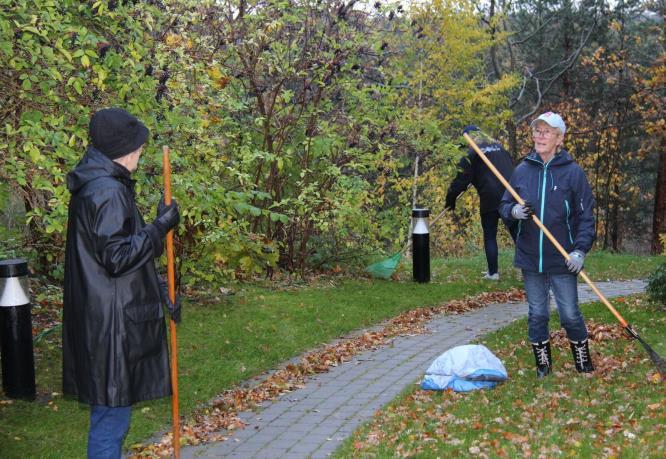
(167, 217)
(161, 207)
(174, 308)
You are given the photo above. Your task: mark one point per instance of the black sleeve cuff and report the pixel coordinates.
(155, 239)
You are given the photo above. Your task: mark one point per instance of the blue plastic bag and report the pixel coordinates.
(465, 368)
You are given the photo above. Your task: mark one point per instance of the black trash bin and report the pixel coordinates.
(16, 353)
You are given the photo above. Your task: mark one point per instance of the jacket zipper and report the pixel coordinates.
(543, 211)
(543, 208)
(566, 203)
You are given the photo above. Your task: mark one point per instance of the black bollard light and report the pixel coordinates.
(421, 245)
(18, 363)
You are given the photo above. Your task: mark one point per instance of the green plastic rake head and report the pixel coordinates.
(384, 269)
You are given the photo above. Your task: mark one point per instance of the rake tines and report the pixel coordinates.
(658, 360)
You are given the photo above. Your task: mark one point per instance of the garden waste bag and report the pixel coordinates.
(463, 369)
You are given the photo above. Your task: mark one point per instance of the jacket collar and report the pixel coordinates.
(96, 164)
(561, 157)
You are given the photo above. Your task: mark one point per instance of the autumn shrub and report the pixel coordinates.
(656, 288)
(11, 222)
(287, 152)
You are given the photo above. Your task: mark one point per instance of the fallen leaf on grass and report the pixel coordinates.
(515, 438)
(654, 406)
(629, 435)
(655, 377)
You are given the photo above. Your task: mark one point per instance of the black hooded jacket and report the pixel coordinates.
(472, 170)
(114, 335)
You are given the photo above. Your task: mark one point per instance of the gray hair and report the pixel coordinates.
(481, 137)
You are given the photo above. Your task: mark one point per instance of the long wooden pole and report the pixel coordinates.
(172, 295)
(548, 234)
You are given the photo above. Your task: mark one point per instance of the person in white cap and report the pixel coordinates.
(556, 189)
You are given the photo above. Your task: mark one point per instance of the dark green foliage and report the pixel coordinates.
(287, 147)
(656, 288)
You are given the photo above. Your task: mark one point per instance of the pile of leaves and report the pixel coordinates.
(222, 413)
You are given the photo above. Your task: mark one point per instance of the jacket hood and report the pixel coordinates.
(561, 158)
(94, 165)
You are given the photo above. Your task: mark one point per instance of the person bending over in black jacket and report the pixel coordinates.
(114, 337)
(473, 171)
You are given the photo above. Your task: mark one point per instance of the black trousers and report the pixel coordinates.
(489, 222)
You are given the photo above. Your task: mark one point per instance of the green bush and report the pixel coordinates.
(656, 288)
(287, 151)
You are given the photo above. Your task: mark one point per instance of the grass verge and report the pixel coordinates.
(618, 411)
(225, 340)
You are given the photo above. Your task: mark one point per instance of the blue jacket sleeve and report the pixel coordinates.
(463, 179)
(584, 213)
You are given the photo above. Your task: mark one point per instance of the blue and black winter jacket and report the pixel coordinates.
(562, 199)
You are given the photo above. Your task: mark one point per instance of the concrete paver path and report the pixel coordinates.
(311, 422)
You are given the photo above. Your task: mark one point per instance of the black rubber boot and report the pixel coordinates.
(543, 357)
(581, 355)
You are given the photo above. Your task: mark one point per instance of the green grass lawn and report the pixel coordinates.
(225, 340)
(618, 411)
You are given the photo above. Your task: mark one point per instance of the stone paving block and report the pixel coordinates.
(288, 419)
(326, 450)
(325, 407)
(290, 455)
(300, 428)
(234, 455)
(303, 449)
(344, 416)
(347, 429)
(270, 453)
(247, 450)
(285, 442)
(241, 435)
(274, 410)
(318, 437)
(260, 437)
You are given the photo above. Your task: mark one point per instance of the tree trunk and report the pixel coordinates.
(615, 228)
(513, 140)
(659, 215)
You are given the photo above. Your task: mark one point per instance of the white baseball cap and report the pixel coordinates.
(552, 119)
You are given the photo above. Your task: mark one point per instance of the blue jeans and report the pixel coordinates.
(565, 289)
(108, 427)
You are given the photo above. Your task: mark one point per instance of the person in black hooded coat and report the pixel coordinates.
(473, 171)
(114, 336)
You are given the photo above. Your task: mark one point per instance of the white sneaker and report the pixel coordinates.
(492, 277)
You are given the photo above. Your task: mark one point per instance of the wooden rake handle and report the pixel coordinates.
(548, 234)
(172, 296)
